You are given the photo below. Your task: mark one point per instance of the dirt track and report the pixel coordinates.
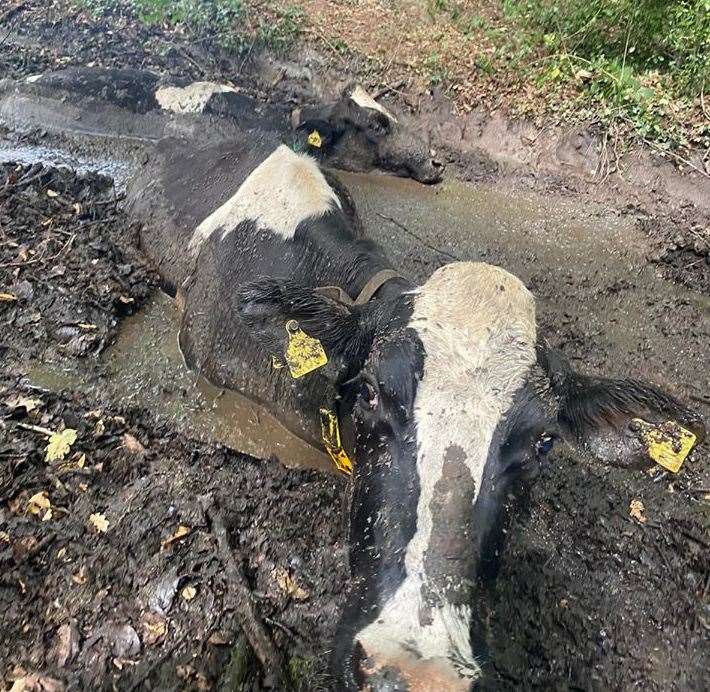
(587, 597)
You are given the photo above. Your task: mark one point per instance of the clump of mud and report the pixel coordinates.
(69, 267)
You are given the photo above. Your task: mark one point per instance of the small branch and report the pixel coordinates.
(252, 625)
(36, 428)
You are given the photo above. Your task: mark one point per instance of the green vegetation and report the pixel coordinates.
(642, 63)
(229, 22)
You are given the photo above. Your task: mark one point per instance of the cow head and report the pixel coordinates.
(359, 134)
(448, 401)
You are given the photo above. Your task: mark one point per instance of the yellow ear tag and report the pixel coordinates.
(667, 444)
(304, 354)
(330, 432)
(314, 139)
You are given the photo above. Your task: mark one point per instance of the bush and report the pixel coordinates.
(671, 36)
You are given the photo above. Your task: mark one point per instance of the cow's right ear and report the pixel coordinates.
(266, 306)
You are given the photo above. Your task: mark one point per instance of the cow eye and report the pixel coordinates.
(368, 396)
(545, 444)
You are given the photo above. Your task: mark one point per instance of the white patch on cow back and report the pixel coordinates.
(281, 192)
(364, 100)
(477, 325)
(190, 99)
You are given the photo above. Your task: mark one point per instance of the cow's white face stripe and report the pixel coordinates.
(284, 190)
(477, 325)
(364, 100)
(190, 99)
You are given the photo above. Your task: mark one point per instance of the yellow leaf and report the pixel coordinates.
(39, 503)
(636, 510)
(60, 443)
(180, 532)
(287, 584)
(23, 402)
(7, 298)
(99, 522)
(189, 592)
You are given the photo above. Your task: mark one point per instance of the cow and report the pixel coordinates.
(441, 398)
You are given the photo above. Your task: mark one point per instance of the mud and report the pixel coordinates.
(587, 597)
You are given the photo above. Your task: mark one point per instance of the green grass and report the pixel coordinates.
(641, 63)
(227, 21)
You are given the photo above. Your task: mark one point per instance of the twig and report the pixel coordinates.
(36, 428)
(444, 253)
(256, 633)
(66, 246)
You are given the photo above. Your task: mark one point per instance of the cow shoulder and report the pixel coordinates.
(284, 190)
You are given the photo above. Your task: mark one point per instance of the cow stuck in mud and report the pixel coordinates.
(442, 397)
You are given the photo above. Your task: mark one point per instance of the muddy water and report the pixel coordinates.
(144, 368)
(598, 298)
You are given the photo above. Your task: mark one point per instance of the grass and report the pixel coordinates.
(235, 25)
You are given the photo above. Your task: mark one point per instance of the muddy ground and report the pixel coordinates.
(588, 596)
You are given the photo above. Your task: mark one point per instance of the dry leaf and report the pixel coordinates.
(81, 577)
(219, 639)
(52, 194)
(83, 487)
(126, 300)
(66, 644)
(287, 584)
(37, 683)
(61, 553)
(39, 503)
(81, 461)
(99, 522)
(7, 298)
(23, 402)
(636, 510)
(87, 325)
(132, 444)
(100, 428)
(77, 208)
(60, 443)
(4, 537)
(189, 592)
(180, 532)
(154, 628)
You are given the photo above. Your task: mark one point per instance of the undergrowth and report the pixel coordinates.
(641, 64)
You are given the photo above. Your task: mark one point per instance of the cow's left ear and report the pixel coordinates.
(624, 422)
(270, 307)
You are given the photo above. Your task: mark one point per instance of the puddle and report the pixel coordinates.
(28, 155)
(144, 368)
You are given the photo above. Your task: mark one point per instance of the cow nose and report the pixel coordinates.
(407, 673)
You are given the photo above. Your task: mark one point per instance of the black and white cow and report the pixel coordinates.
(445, 392)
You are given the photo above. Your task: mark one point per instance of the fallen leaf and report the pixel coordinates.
(154, 628)
(77, 208)
(126, 300)
(132, 444)
(189, 592)
(100, 428)
(66, 644)
(39, 503)
(287, 584)
(81, 461)
(636, 510)
(83, 487)
(4, 537)
(37, 683)
(23, 402)
(80, 577)
(219, 639)
(52, 194)
(61, 553)
(7, 298)
(60, 443)
(87, 325)
(180, 532)
(99, 522)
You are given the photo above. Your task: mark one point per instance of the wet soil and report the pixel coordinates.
(588, 596)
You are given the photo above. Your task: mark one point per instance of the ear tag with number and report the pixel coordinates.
(667, 444)
(304, 354)
(330, 432)
(315, 140)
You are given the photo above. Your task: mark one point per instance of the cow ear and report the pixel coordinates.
(267, 305)
(612, 419)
